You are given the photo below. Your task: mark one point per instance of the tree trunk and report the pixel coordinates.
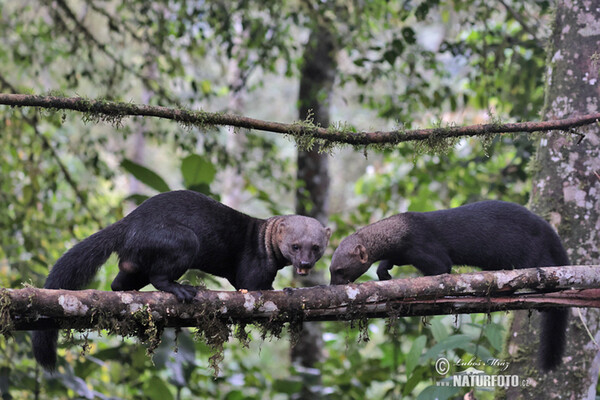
(566, 190)
(316, 83)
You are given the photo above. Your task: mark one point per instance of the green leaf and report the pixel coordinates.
(235, 395)
(438, 393)
(145, 175)
(197, 170)
(409, 35)
(422, 11)
(206, 86)
(287, 386)
(157, 389)
(450, 343)
(200, 188)
(478, 351)
(137, 198)
(412, 358)
(495, 335)
(390, 56)
(398, 45)
(438, 330)
(419, 375)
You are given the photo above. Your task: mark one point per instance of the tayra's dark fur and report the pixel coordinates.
(491, 235)
(176, 231)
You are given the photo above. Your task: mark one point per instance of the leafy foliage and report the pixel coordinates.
(405, 60)
(145, 175)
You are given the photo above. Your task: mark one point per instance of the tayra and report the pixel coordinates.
(176, 231)
(491, 235)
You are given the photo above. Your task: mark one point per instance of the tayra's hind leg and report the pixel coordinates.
(174, 252)
(127, 281)
(130, 277)
(383, 270)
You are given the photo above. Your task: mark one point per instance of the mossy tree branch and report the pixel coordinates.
(115, 111)
(479, 292)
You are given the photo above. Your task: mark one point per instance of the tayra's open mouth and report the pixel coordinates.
(302, 271)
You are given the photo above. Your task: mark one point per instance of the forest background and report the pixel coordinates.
(377, 65)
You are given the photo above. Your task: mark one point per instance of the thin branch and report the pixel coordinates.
(114, 111)
(479, 292)
(519, 18)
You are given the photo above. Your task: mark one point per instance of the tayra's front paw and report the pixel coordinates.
(383, 270)
(384, 275)
(185, 293)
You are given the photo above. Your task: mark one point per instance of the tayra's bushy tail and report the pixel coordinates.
(554, 321)
(74, 270)
(553, 338)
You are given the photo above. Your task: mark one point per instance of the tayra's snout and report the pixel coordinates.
(303, 268)
(339, 276)
(338, 280)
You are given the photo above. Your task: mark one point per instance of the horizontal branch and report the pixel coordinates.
(538, 288)
(115, 111)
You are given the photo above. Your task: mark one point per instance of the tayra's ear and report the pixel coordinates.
(281, 230)
(328, 233)
(361, 252)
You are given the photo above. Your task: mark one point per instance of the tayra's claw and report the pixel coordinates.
(185, 293)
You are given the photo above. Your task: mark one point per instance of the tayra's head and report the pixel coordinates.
(350, 260)
(302, 241)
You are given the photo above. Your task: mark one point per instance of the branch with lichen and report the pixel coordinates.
(478, 292)
(218, 315)
(114, 112)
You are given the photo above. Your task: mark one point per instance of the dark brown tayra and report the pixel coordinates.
(176, 231)
(491, 235)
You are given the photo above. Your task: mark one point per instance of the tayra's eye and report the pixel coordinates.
(316, 248)
(295, 247)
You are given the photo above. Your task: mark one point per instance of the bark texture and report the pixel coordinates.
(33, 308)
(566, 190)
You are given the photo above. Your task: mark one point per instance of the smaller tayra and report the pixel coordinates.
(491, 235)
(176, 231)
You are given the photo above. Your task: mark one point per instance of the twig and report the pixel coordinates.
(522, 22)
(587, 329)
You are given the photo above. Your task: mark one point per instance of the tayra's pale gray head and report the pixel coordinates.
(350, 260)
(302, 241)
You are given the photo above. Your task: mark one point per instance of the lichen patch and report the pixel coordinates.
(126, 298)
(249, 302)
(352, 292)
(503, 281)
(71, 305)
(223, 296)
(269, 306)
(133, 307)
